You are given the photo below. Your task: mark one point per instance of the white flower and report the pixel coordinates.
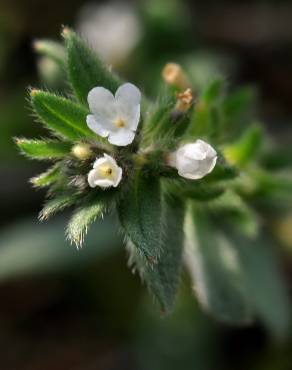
(112, 30)
(105, 173)
(115, 117)
(195, 160)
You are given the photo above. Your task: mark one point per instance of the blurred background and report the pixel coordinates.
(67, 309)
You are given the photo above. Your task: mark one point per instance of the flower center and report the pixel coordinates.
(120, 123)
(106, 171)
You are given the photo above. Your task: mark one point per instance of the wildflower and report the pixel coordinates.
(105, 173)
(195, 160)
(115, 117)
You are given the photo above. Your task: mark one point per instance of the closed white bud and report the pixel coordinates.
(195, 160)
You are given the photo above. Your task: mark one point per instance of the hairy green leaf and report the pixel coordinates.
(43, 149)
(57, 204)
(85, 69)
(140, 213)
(81, 220)
(215, 270)
(61, 115)
(162, 278)
(47, 178)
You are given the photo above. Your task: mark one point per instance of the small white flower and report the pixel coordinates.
(116, 117)
(195, 160)
(105, 173)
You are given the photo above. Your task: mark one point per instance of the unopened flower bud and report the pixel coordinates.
(193, 161)
(184, 101)
(82, 151)
(174, 75)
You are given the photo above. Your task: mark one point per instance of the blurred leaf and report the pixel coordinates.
(215, 270)
(51, 49)
(238, 102)
(221, 172)
(61, 115)
(233, 209)
(43, 149)
(31, 248)
(247, 148)
(277, 158)
(192, 189)
(213, 91)
(265, 283)
(140, 213)
(85, 69)
(162, 278)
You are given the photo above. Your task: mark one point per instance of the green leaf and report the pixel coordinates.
(47, 178)
(232, 209)
(51, 49)
(81, 220)
(221, 172)
(266, 286)
(85, 69)
(140, 213)
(215, 270)
(247, 148)
(191, 189)
(57, 204)
(213, 91)
(61, 115)
(162, 278)
(237, 103)
(277, 158)
(43, 149)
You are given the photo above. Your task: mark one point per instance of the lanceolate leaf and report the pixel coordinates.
(162, 278)
(44, 149)
(85, 69)
(81, 220)
(140, 213)
(61, 115)
(215, 270)
(57, 204)
(47, 178)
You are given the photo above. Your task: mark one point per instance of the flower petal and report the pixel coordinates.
(128, 99)
(119, 177)
(102, 103)
(122, 137)
(128, 94)
(96, 126)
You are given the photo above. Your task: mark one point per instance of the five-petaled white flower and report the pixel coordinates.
(115, 117)
(195, 160)
(105, 173)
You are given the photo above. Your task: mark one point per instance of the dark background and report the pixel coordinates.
(63, 309)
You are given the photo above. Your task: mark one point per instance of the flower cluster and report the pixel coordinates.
(117, 118)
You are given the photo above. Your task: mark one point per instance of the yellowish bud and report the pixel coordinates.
(174, 75)
(82, 151)
(184, 101)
